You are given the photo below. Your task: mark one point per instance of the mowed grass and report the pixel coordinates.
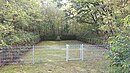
(51, 59)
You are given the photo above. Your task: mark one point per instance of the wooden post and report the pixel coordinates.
(67, 52)
(33, 53)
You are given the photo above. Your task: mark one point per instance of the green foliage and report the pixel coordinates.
(16, 19)
(120, 53)
(120, 41)
(92, 18)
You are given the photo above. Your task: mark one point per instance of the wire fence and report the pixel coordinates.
(40, 54)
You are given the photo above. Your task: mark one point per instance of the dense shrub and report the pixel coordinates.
(18, 27)
(120, 49)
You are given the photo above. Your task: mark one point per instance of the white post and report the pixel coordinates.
(67, 52)
(33, 48)
(82, 53)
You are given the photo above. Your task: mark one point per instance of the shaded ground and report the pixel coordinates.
(53, 61)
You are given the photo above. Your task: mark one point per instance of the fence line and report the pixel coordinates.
(65, 52)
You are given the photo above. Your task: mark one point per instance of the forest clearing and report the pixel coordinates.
(64, 36)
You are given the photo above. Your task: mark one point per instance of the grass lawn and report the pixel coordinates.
(51, 59)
